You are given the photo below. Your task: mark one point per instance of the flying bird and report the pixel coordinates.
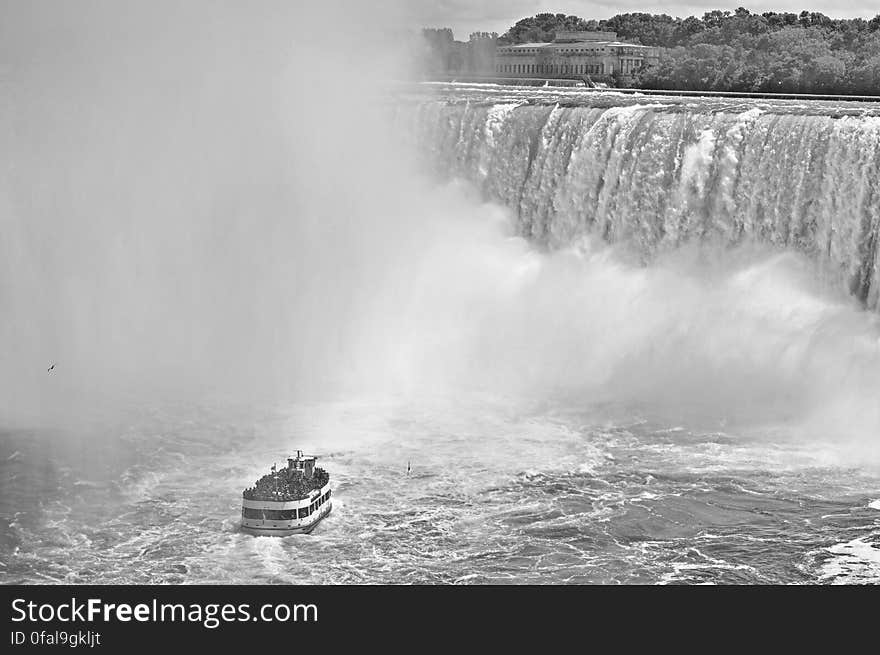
(49, 370)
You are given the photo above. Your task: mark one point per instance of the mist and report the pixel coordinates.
(191, 199)
(725, 338)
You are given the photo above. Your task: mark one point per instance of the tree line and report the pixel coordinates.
(722, 51)
(443, 55)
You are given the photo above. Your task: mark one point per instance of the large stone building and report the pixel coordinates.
(574, 54)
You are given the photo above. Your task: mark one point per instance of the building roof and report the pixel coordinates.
(527, 45)
(575, 45)
(584, 35)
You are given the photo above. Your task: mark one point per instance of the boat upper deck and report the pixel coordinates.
(295, 482)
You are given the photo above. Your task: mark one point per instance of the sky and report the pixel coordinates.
(466, 16)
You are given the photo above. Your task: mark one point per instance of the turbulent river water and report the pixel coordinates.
(499, 492)
(658, 361)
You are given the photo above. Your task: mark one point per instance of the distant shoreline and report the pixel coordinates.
(568, 82)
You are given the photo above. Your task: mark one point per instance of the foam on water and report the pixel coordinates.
(853, 562)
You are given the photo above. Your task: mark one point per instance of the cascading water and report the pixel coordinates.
(658, 174)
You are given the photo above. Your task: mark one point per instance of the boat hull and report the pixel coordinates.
(269, 528)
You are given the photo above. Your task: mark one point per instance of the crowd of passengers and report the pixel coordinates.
(286, 485)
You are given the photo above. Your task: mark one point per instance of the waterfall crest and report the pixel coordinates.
(659, 175)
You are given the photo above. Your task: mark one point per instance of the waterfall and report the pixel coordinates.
(658, 175)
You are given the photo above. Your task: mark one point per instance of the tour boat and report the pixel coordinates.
(292, 500)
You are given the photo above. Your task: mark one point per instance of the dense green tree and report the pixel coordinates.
(543, 28)
(441, 53)
(647, 29)
(783, 52)
(480, 53)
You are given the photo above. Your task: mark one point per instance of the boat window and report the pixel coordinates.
(278, 514)
(269, 514)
